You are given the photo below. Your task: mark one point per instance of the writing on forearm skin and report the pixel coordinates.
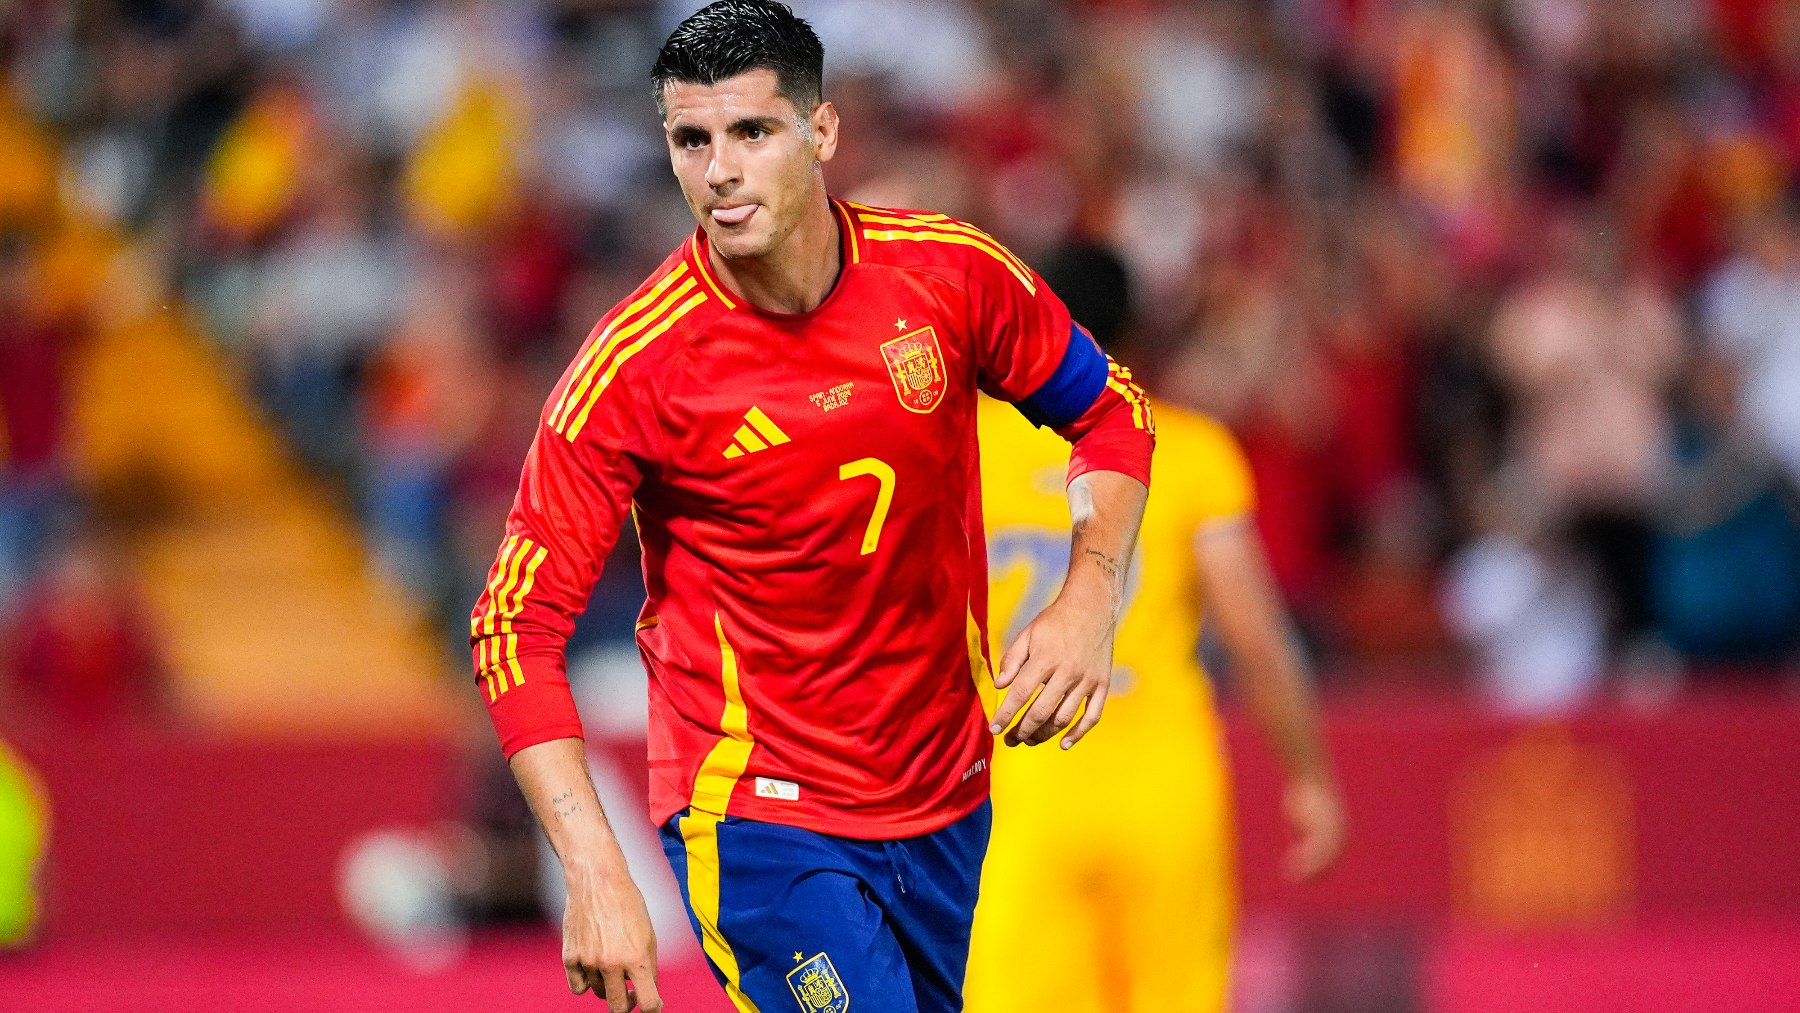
(565, 805)
(1107, 564)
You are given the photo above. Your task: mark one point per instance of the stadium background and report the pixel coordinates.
(1502, 297)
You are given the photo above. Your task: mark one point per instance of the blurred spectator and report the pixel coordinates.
(1724, 567)
(425, 398)
(34, 353)
(80, 647)
(1529, 606)
(1588, 354)
(1751, 313)
(1385, 619)
(325, 295)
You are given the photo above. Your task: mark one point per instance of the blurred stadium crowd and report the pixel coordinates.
(1502, 296)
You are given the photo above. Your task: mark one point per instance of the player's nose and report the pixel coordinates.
(721, 169)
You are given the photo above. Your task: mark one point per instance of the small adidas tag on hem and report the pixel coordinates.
(768, 787)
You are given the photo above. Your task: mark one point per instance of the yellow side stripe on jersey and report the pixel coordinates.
(927, 236)
(582, 374)
(713, 785)
(876, 217)
(706, 272)
(720, 771)
(625, 355)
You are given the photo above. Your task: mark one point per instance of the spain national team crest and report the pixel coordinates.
(916, 365)
(817, 987)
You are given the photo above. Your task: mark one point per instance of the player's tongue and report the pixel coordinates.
(734, 216)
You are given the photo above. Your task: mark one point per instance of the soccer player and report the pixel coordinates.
(24, 819)
(786, 408)
(1109, 885)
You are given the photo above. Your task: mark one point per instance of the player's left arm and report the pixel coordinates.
(1064, 656)
(1057, 672)
(1271, 673)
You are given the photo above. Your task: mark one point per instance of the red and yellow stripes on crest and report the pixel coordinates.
(497, 646)
(1118, 378)
(934, 228)
(642, 321)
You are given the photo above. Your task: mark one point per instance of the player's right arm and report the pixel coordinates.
(607, 937)
(595, 442)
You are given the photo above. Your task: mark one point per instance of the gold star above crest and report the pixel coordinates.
(797, 957)
(900, 324)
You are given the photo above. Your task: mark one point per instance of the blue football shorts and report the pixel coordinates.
(792, 919)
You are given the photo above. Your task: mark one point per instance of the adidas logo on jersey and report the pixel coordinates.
(769, 787)
(758, 433)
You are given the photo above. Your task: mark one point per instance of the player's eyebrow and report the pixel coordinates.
(683, 133)
(766, 124)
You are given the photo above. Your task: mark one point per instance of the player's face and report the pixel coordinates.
(748, 161)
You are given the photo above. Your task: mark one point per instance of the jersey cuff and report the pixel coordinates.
(1071, 389)
(539, 710)
(1126, 451)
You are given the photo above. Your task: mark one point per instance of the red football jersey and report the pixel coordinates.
(806, 490)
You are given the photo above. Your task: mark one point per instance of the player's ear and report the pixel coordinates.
(824, 121)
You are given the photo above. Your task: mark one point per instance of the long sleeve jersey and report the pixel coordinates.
(806, 491)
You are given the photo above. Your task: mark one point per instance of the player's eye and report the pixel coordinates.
(755, 133)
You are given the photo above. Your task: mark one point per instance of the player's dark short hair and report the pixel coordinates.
(1096, 286)
(731, 37)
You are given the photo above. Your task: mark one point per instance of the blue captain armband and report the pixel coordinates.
(1072, 389)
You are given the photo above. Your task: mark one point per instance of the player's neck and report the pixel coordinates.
(797, 275)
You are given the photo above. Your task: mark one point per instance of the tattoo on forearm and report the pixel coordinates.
(1107, 564)
(565, 806)
(1115, 578)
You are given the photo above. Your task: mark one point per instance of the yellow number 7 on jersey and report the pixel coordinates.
(883, 474)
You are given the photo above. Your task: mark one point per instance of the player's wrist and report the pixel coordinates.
(1089, 594)
(598, 881)
(595, 859)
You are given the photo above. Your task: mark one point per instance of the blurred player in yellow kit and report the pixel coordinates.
(1109, 884)
(24, 818)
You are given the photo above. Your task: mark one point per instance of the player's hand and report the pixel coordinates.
(1065, 658)
(608, 944)
(1315, 811)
